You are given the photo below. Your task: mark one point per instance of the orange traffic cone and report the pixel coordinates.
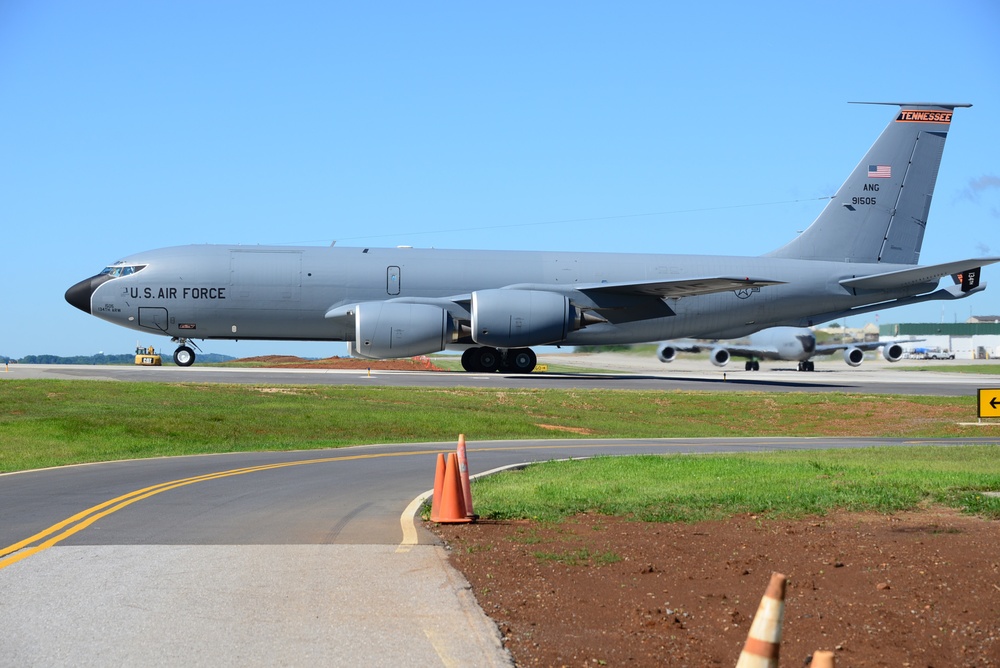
(823, 659)
(463, 469)
(764, 639)
(438, 486)
(451, 508)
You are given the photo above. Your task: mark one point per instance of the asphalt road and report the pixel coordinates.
(304, 557)
(258, 558)
(616, 372)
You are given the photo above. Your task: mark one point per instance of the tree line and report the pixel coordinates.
(101, 358)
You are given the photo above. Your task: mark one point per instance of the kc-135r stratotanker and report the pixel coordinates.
(859, 255)
(797, 344)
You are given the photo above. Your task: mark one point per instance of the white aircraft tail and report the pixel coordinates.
(880, 213)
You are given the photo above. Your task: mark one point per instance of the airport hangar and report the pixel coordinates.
(979, 338)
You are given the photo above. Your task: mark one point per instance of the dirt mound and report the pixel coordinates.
(912, 589)
(292, 362)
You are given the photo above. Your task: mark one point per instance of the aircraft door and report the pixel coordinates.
(392, 280)
(153, 317)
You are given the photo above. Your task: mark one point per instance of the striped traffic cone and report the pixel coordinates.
(438, 486)
(764, 639)
(451, 508)
(463, 470)
(823, 659)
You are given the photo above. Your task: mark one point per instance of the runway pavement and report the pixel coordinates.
(597, 371)
(259, 558)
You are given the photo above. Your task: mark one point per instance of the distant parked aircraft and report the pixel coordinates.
(859, 255)
(777, 343)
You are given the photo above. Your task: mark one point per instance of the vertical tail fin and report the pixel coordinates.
(880, 212)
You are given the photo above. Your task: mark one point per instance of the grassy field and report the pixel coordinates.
(778, 484)
(951, 367)
(49, 422)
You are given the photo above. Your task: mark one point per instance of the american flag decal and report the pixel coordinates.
(879, 171)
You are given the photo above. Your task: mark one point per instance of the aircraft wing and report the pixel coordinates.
(918, 275)
(615, 302)
(629, 302)
(753, 352)
(686, 287)
(687, 346)
(830, 348)
(666, 350)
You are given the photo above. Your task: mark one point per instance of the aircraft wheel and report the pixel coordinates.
(470, 359)
(756, 366)
(810, 366)
(748, 366)
(488, 359)
(183, 356)
(521, 360)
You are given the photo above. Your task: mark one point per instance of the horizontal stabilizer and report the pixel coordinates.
(915, 276)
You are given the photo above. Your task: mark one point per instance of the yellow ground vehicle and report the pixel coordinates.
(147, 357)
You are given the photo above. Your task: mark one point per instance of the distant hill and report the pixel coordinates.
(101, 359)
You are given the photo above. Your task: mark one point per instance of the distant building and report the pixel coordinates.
(968, 340)
(837, 333)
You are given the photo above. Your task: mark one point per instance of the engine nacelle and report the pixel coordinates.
(854, 356)
(521, 318)
(666, 353)
(397, 329)
(892, 352)
(719, 356)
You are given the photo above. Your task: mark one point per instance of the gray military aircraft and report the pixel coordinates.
(795, 344)
(859, 255)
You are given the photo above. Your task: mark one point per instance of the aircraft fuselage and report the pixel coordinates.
(283, 293)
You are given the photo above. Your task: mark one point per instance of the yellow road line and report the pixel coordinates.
(80, 521)
(84, 519)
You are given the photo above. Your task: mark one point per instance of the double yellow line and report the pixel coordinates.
(71, 525)
(63, 530)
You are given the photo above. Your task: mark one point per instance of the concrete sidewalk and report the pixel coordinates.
(238, 605)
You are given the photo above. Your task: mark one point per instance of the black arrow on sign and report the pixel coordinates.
(993, 403)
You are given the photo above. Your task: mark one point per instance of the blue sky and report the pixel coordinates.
(638, 126)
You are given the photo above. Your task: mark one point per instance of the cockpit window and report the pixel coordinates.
(121, 269)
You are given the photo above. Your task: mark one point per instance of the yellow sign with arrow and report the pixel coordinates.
(989, 403)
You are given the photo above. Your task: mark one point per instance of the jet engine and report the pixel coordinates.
(892, 352)
(720, 356)
(522, 318)
(666, 353)
(400, 329)
(854, 356)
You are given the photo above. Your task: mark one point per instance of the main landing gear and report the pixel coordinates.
(184, 355)
(807, 365)
(752, 366)
(487, 360)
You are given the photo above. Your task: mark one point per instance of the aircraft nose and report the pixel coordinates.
(79, 295)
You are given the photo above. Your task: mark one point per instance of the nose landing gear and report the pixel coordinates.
(184, 355)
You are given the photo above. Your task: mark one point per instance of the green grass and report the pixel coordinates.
(779, 484)
(579, 557)
(951, 367)
(51, 422)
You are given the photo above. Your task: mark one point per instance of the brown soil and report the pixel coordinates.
(291, 362)
(911, 589)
